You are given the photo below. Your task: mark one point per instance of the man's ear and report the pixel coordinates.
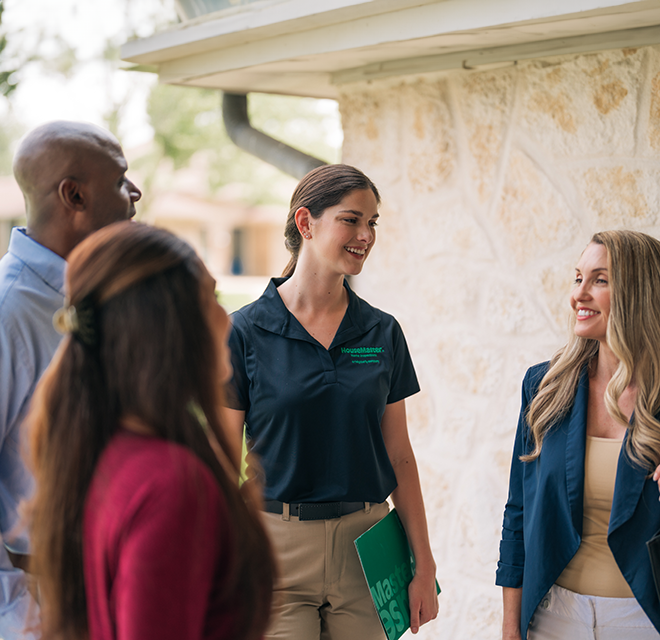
(71, 194)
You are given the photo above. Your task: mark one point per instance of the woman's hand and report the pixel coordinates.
(656, 477)
(423, 597)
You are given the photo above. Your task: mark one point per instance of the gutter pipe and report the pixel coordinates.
(245, 136)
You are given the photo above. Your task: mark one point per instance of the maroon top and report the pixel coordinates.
(155, 545)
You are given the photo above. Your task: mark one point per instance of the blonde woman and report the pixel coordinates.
(582, 498)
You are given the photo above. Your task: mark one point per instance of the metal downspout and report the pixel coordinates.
(245, 136)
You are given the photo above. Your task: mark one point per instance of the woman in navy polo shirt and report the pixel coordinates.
(582, 502)
(320, 381)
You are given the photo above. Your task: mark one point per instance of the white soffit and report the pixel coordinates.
(310, 47)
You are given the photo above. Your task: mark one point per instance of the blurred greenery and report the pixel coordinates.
(188, 120)
(233, 301)
(19, 49)
(8, 79)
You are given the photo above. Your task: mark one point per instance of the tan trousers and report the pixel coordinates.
(322, 593)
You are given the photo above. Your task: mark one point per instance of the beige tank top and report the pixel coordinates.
(593, 570)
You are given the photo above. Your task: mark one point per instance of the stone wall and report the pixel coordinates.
(492, 184)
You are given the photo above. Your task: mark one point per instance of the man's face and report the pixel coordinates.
(111, 195)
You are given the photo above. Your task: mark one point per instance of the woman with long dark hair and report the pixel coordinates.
(320, 381)
(582, 498)
(138, 527)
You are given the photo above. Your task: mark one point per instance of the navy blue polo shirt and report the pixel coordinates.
(313, 414)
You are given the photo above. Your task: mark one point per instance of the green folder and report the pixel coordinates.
(388, 565)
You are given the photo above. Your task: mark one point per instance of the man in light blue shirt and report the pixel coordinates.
(72, 176)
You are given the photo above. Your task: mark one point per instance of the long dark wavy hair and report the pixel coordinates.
(150, 355)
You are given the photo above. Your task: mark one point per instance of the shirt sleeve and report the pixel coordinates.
(237, 390)
(404, 379)
(17, 373)
(511, 564)
(16, 603)
(168, 558)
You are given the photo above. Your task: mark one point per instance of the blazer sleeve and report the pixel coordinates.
(511, 563)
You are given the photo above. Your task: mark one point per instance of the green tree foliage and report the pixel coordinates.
(8, 81)
(188, 120)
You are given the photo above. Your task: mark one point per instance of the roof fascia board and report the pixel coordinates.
(253, 22)
(392, 23)
(481, 58)
(372, 31)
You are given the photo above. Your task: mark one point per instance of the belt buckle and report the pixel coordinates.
(319, 510)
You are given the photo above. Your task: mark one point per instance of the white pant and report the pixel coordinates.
(564, 615)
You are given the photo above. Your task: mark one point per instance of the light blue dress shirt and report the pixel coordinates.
(31, 290)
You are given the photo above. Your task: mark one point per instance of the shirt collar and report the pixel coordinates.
(44, 262)
(272, 315)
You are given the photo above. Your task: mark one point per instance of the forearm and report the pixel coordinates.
(409, 503)
(511, 600)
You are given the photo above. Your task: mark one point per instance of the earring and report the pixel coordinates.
(307, 236)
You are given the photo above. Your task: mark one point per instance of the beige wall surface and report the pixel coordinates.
(493, 182)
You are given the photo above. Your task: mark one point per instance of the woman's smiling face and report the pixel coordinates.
(590, 299)
(344, 235)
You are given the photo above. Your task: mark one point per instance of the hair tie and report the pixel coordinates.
(79, 321)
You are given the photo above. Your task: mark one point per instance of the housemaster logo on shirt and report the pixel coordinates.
(363, 355)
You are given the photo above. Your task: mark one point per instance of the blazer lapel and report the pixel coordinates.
(575, 425)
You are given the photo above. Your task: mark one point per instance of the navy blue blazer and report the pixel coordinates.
(543, 515)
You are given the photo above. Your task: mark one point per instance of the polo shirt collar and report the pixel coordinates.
(42, 261)
(272, 315)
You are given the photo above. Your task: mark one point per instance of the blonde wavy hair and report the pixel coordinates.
(633, 335)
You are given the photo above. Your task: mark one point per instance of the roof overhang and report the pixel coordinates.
(312, 47)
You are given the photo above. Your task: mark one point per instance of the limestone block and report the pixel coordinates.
(468, 365)
(392, 247)
(419, 412)
(582, 105)
(449, 298)
(485, 102)
(512, 308)
(372, 124)
(534, 216)
(650, 108)
(478, 516)
(621, 196)
(445, 227)
(438, 488)
(557, 283)
(483, 618)
(427, 134)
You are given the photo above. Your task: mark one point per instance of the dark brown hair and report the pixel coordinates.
(150, 358)
(321, 188)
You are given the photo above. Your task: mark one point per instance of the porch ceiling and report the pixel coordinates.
(310, 48)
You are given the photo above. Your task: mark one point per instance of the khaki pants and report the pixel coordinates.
(321, 593)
